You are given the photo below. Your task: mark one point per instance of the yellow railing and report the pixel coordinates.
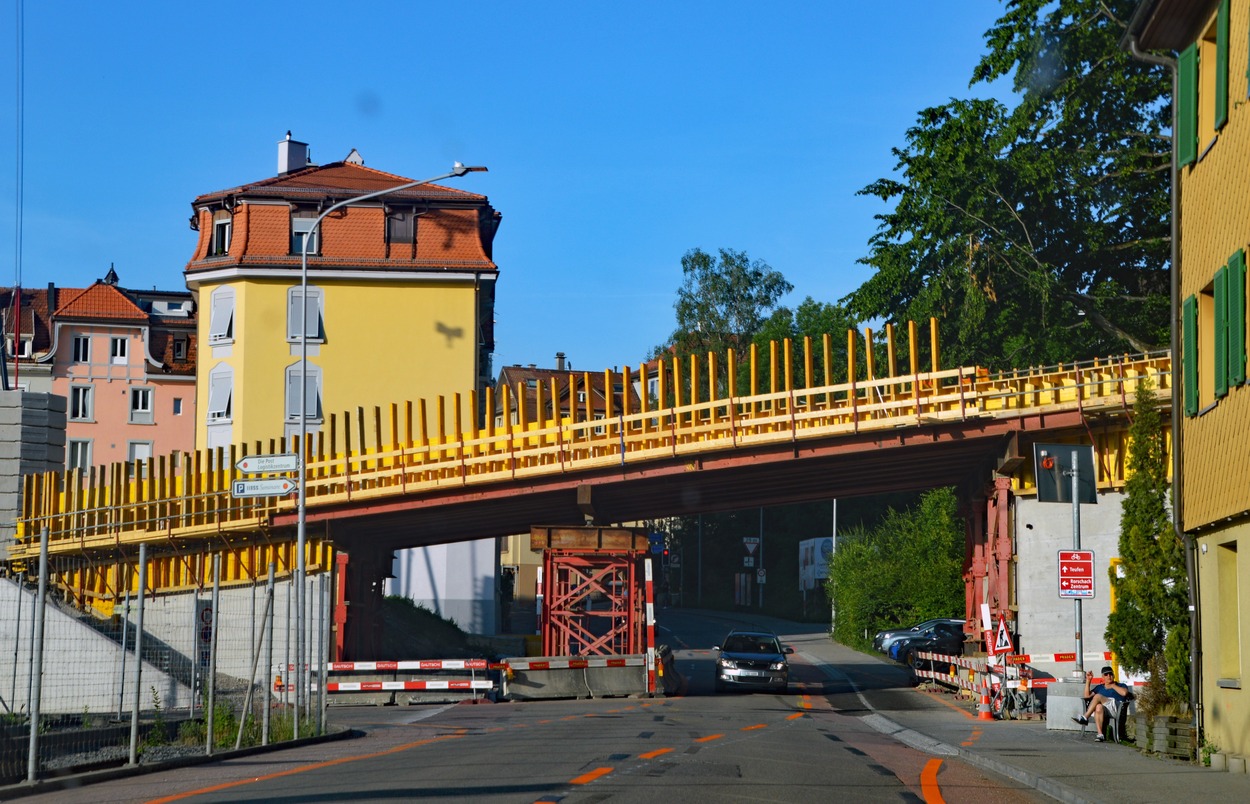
(189, 499)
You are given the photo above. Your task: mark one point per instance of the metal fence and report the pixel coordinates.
(136, 677)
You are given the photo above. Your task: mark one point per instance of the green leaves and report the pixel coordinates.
(1039, 233)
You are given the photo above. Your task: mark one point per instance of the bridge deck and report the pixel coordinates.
(107, 508)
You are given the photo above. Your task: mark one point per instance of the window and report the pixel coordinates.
(80, 402)
(581, 396)
(140, 405)
(118, 349)
(137, 452)
(1213, 330)
(78, 454)
(177, 406)
(314, 324)
(1228, 614)
(180, 348)
(301, 228)
(293, 400)
(1202, 89)
(82, 349)
(220, 391)
(221, 317)
(401, 226)
(221, 236)
(600, 430)
(24, 348)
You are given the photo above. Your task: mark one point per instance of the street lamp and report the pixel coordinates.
(301, 528)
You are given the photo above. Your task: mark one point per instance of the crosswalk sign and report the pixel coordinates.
(1002, 642)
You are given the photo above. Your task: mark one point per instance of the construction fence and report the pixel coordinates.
(152, 677)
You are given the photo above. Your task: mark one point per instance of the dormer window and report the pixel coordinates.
(220, 246)
(302, 229)
(180, 348)
(401, 227)
(22, 348)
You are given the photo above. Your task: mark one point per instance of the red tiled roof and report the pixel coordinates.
(100, 302)
(338, 179)
(35, 314)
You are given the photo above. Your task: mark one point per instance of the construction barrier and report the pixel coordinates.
(578, 677)
(410, 681)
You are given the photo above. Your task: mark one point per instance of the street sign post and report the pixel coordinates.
(1076, 573)
(761, 575)
(256, 464)
(273, 487)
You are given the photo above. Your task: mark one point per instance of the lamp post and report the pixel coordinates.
(301, 528)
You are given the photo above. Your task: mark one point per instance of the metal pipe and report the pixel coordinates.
(269, 618)
(36, 661)
(210, 715)
(134, 711)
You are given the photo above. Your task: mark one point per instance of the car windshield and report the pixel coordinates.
(740, 643)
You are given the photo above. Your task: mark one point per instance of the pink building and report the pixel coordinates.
(123, 359)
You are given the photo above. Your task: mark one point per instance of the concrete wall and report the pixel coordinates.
(1047, 623)
(457, 581)
(32, 439)
(82, 668)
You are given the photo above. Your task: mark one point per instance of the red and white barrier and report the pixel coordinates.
(382, 686)
(576, 663)
(419, 664)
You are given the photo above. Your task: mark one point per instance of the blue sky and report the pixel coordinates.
(618, 136)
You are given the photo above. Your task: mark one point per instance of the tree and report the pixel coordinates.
(905, 570)
(1149, 629)
(722, 302)
(1038, 233)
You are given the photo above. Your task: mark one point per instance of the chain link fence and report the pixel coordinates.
(97, 681)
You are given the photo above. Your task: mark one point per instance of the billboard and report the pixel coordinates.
(814, 562)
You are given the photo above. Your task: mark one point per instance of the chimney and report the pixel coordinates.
(559, 361)
(292, 155)
(51, 297)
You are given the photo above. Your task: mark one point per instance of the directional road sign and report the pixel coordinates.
(273, 487)
(1076, 573)
(254, 464)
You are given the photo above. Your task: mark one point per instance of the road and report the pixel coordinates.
(814, 742)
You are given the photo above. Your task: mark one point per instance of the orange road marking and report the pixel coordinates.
(756, 726)
(928, 783)
(587, 778)
(655, 753)
(795, 716)
(709, 738)
(290, 772)
(958, 709)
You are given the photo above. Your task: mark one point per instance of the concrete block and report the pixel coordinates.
(56, 437)
(1064, 701)
(1219, 762)
(1236, 764)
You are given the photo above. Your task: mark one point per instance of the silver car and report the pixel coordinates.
(752, 660)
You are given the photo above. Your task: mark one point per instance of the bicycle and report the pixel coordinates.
(1013, 696)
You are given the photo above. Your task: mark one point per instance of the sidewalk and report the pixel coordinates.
(1066, 765)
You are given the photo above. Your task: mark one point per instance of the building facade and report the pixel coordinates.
(124, 360)
(1208, 40)
(400, 297)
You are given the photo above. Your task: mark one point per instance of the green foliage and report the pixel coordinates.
(1149, 629)
(156, 735)
(723, 301)
(904, 570)
(1037, 234)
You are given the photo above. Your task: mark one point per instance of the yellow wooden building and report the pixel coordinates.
(1208, 44)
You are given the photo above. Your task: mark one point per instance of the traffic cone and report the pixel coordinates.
(983, 709)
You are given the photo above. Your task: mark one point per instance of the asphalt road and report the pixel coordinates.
(811, 743)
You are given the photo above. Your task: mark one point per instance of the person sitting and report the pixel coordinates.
(1105, 700)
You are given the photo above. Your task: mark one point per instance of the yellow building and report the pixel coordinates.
(1212, 234)
(401, 296)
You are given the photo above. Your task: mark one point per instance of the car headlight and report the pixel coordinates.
(728, 664)
(777, 666)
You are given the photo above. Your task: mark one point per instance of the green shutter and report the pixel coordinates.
(1220, 362)
(1187, 106)
(1221, 67)
(1189, 354)
(1237, 318)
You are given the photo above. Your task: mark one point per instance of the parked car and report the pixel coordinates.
(884, 639)
(752, 659)
(944, 637)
